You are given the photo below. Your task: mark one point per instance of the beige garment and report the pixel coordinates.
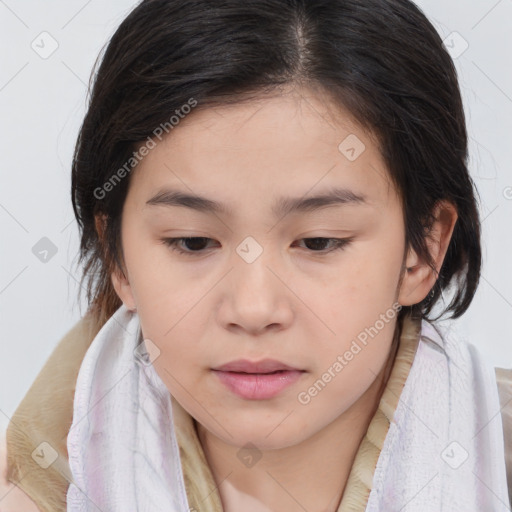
(45, 415)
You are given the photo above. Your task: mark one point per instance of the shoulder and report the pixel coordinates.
(12, 498)
(504, 382)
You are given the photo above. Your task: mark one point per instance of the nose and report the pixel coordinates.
(255, 297)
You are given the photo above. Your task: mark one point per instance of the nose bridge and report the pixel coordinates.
(257, 296)
(253, 262)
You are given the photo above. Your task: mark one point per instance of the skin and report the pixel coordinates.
(297, 302)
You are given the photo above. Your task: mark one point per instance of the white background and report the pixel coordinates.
(42, 104)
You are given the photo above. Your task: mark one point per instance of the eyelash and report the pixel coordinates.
(172, 243)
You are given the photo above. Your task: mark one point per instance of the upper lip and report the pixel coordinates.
(246, 366)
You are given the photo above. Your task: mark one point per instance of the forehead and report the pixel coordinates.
(291, 145)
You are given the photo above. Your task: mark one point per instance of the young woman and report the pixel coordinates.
(274, 204)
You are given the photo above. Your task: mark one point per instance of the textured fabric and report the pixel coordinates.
(122, 448)
(359, 483)
(444, 449)
(40, 414)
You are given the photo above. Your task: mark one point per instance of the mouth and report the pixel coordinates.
(257, 380)
(263, 367)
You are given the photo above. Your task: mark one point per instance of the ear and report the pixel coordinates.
(419, 278)
(119, 281)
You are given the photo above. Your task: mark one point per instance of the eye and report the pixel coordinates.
(337, 243)
(196, 245)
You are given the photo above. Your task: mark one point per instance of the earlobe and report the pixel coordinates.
(419, 278)
(415, 282)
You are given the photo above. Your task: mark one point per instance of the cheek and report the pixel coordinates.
(374, 272)
(342, 380)
(357, 313)
(163, 294)
(360, 287)
(182, 357)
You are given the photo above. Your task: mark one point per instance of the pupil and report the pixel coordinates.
(195, 240)
(319, 241)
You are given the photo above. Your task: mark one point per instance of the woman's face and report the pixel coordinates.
(265, 278)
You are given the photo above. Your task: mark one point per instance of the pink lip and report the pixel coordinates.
(246, 366)
(254, 381)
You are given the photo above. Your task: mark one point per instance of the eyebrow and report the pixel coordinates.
(283, 206)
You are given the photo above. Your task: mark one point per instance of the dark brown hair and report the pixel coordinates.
(382, 60)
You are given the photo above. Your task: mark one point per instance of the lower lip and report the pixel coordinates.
(258, 386)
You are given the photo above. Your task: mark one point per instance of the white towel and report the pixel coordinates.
(444, 450)
(122, 449)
